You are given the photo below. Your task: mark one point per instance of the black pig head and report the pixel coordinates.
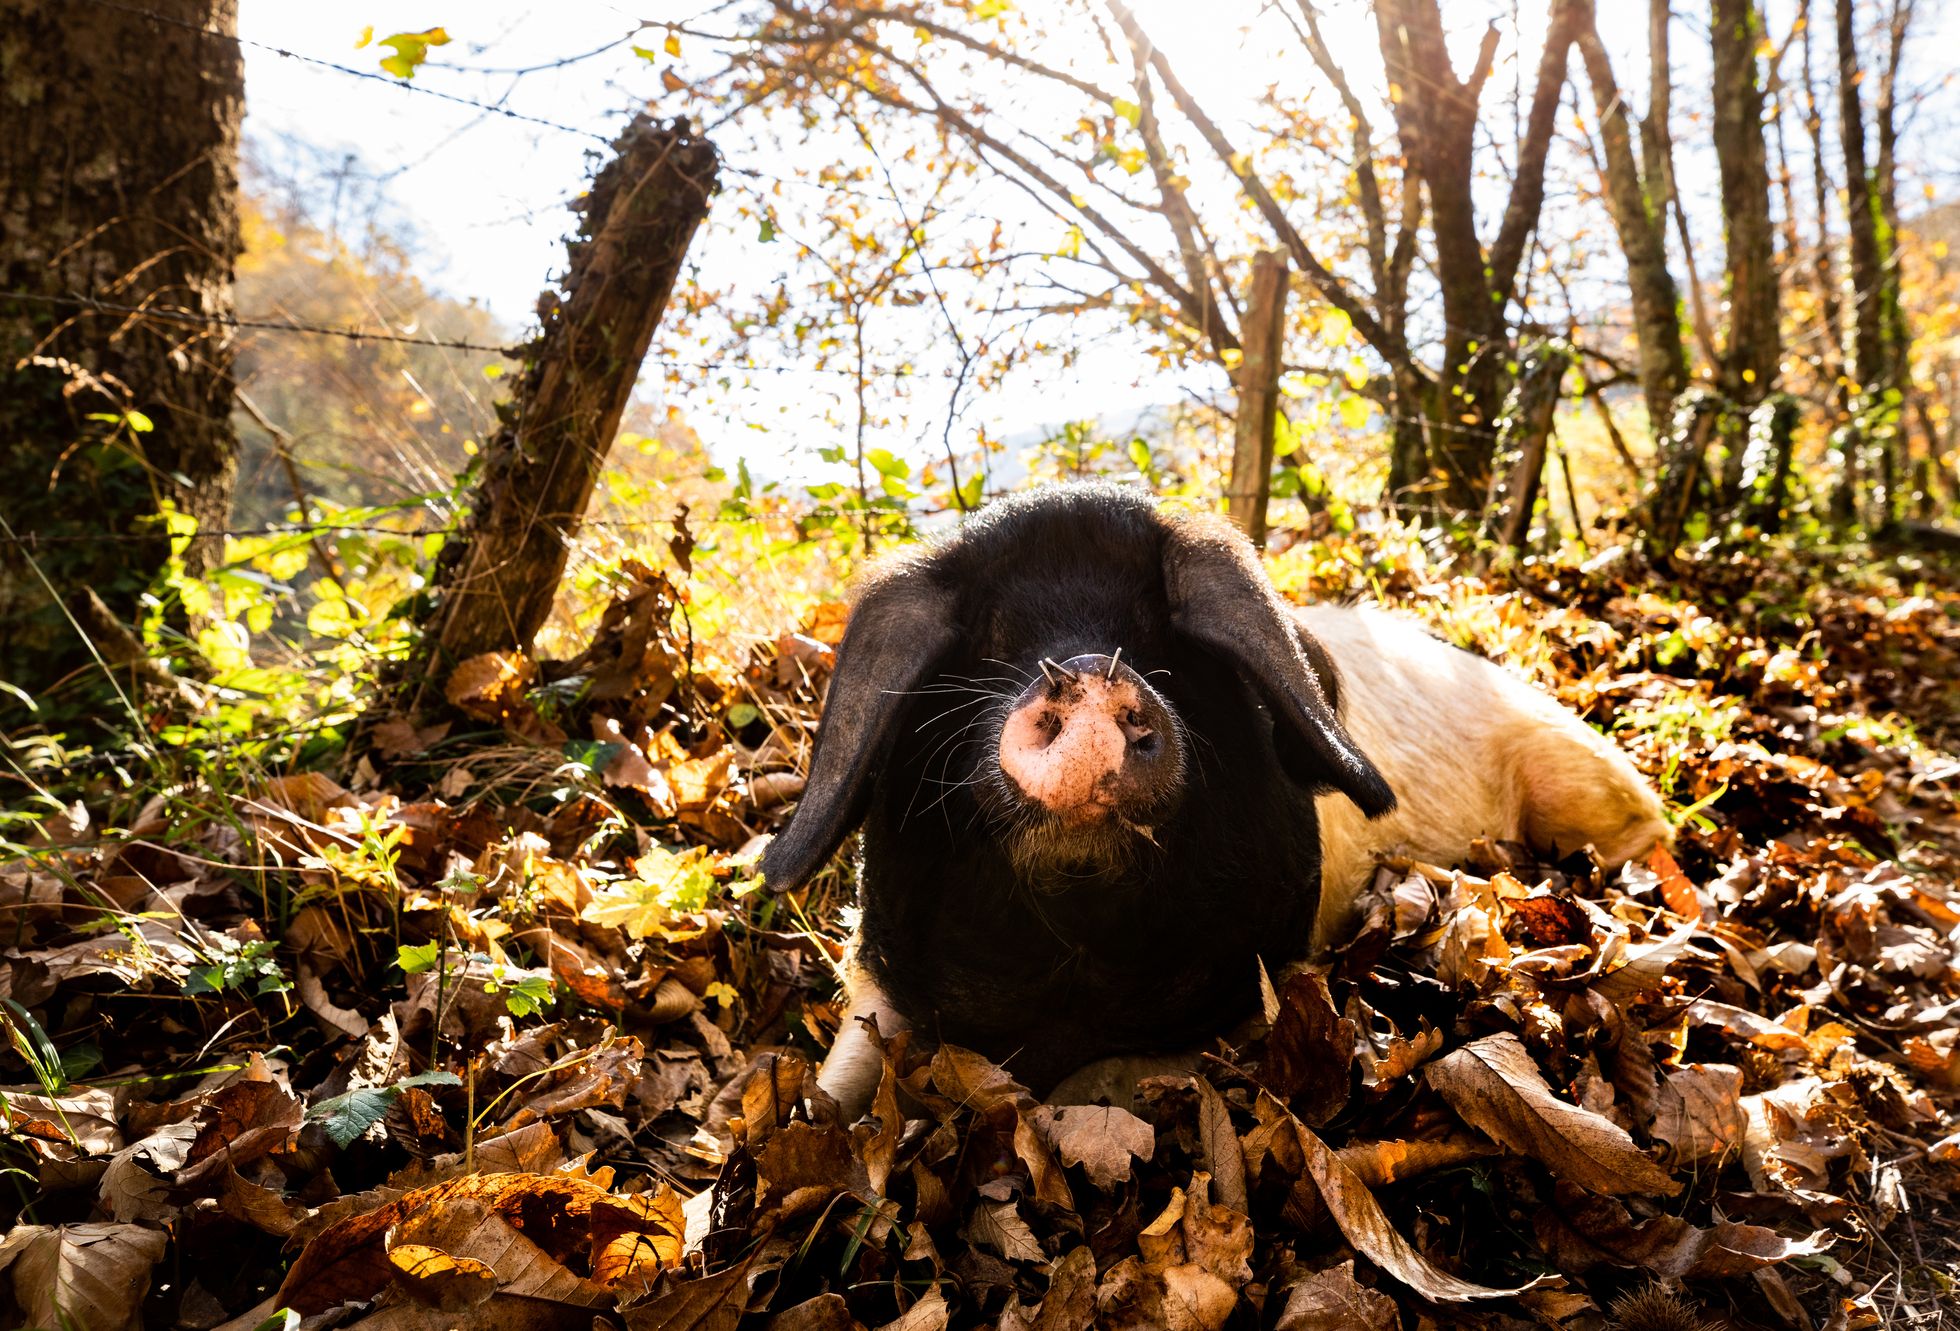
(1083, 740)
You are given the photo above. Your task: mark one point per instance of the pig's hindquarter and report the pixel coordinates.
(1470, 751)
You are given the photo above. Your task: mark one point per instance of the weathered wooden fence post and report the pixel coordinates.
(1262, 338)
(495, 579)
(1522, 435)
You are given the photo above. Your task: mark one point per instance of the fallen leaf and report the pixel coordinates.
(1580, 1231)
(1359, 1216)
(435, 1279)
(1333, 1300)
(1698, 1112)
(1100, 1138)
(1494, 1086)
(89, 1277)
(998, 1227)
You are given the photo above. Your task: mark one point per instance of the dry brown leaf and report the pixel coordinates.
(1192, 1263)
(1495, 1087)
(998, 1227)
(1223, 1156)
(713, 1303)
(1581, 1231)
(826, 1312)
(435, 1279)
(1100, 1138)
(89, 1277)
(1377, 1163)
(491, 686)
(80, 1123)
(636, 1236)
(237, 1125)
(1643, 966)
(930, 1313)
(479, 1229)
(1333, 1300)
(348, 1260)
(1359, 1216)
(1698, 1112)
(1310, 1050)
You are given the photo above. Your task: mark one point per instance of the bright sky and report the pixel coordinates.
(486, 193)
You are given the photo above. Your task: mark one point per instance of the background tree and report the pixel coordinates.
(118, 182)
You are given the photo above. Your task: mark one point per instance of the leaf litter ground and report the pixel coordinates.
(494, 1030)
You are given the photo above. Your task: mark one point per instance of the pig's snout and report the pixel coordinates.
(1089, 739)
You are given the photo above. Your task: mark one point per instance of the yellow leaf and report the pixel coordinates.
(1232, 357)
(1240, 164)
(1128, 110)
(367, 35)
(672, 46)
(1131, 160)
(1335, 327)
(1354, 412)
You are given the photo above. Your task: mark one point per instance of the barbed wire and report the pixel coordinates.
(338, 68)
(514, 350)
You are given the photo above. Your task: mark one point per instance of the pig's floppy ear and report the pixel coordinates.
(902, 624)
(1220, 597)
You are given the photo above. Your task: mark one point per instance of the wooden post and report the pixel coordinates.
(496, 578)
(1262, 337)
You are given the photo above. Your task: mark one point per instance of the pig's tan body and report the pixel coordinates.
(1470, 750)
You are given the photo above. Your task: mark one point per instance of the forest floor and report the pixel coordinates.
(462, 1033)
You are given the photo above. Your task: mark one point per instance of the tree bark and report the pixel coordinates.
(1436, 115)
(1642, 230)
(496, 579)
(1751, 347)
(1870, 367)
(118, 182)
(1523, 435)
(1263, 334)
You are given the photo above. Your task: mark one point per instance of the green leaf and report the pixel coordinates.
(742, 715)
(887, 462)
(528, 996)
(1128, 110)
(411, 49)
(414, 958)
(346, 1117)
(766, 233)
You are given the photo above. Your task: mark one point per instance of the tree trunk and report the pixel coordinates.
(1766, 463)
(1523, 434)
(118, 182)
(1829, 360)
(1263, 333)
(1436, 118)
(1751, 348)
(1871, 369)
(1642, 230)
(497, 577)
(1680, 471)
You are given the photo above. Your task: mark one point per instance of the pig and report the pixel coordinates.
(1105, 773)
